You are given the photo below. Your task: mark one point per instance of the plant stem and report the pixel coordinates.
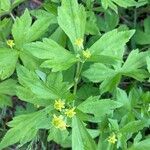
(77, 76)
(76, 79)
(12, 16)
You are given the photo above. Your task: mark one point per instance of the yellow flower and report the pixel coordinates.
(86, 54)
(112, 139)
(59, 104)
(58, 122)
(10, 43)
(70, 112)
(79, 43)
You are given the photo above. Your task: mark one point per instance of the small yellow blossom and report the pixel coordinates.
(10, 43)
(112, 139)
(79, 43)
(59, 104)
(58, 122)
(70, 112)
(86, 54)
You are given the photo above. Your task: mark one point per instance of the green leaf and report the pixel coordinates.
(31, 81)
(148, 63)
(24, 31)
(111, 44)
(25, 94)
(5, 101)
(72, 19)
(29, 61)
(56, 56)
(110, 77)
(108, 22)
(86, 91)
(126, 3)
(17, 2)
(99, 72)
(91, 24)
(109, 84)
(122, 97)
(40, 13)
(59, 36)
(8, 60)
(57, 135)
(134, 126)
(112, 4)
(5, 28)
(36, 88)
(143, 145)
(143, 37)
(142, 3)
(27, 125)
(98, 107)
(4, 6)
(8, 87)
(134, 63)
(81, 140)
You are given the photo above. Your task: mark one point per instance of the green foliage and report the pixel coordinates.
(30, 124)
(112, 4)
(80, 136)
(75, 74)
(72, 19)
(24, 33)
(143, 37)
(8, 60)
(56, 56)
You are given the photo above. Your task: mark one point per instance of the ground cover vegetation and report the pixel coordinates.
(74, 74)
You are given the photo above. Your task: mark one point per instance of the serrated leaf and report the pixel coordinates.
(36, 88)
(72, 19)
(134, 126)
(126, 3)
(5, 101)
(81, 140)
(98, 107)
(111, 44)
(29, 60)
(91, 24)
(87, 90)
(56, 56)
(24, 31)
(148, 63)
(143, 37)
(25, 94)
(5, 28)
(8, 60)
(112, 4)
(5, 5)
(134, 63)
(31, 81)
(110, 77)
(108, 22)
(143, 145)
(59, 36)
(8, 87)
(24, 127)
(98, 72)
(57, 135)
